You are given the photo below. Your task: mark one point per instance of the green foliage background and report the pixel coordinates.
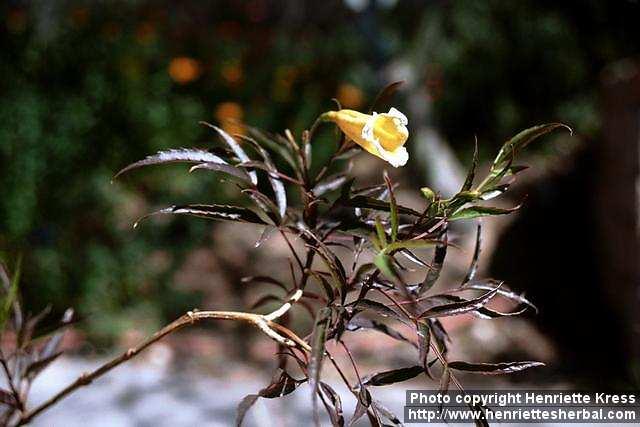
(85, 91)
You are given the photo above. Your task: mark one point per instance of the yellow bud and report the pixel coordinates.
(382, 135)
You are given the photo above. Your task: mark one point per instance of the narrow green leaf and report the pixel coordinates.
(385, 264)
(382, 235)
(411, 244)
(511, 148)
(480, 211)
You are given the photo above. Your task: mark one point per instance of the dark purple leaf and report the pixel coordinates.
(337, 416)
(459, 307)
(378, 308)
(235, 147)
(482, 312)
(361, 322)
(493, 368)
(364, 401)
(330, 183)
(245, 404)
(284, 384)
(179, 155)
(504, 291)
(394, 376)
(435, 268)
(34, 368)
(473, 267)
(468, 182)
(364, 202)
(386, 413)
(424, 345)
(215, 212)
(385, 94)
(318, 338)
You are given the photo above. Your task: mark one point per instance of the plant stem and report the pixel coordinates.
(263, 323)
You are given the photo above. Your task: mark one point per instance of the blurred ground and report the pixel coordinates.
(141, 395)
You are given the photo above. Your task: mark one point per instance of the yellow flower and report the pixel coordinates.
(382, 135)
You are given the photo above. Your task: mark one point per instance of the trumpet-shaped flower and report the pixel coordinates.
(382, 135)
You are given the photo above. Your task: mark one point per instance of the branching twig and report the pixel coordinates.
(265, 323)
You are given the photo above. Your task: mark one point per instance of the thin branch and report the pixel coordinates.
(276, 332)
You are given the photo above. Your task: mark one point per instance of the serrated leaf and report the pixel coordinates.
(394, 376)
(493, 368)
(262, 138)
(504, 291)
(276, 182)
(228, 169)
(459, 307)
(216, 212)
(178, 155)
(237, 150)
(270, 211)
(480, 211)
(482, 312)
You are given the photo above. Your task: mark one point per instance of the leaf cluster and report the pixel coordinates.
(326, 210)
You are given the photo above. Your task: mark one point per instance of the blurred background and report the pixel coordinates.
(89, 87)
